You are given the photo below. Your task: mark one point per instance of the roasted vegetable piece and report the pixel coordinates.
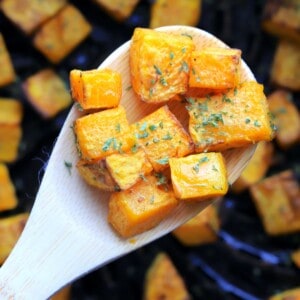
(47, 93)
(118, 9)
(162, 136)
(175, 12)
(277, 201)
(103, 133)
(286, 118)
(235, 119)
(63, 294)
(282, 19)
(141, 207)
(163, 281)
(285, 70)
(11, 111)
(159, 64)
(28, 15)
(96, 89)
(292, 294)
(257, 167)
(202, 229)
(7, 74)
(295, 256)
(10, 230)
(8, 197)
(97, 175)
(199, 176)
(128, 169)
(60, 35)
(215, 68)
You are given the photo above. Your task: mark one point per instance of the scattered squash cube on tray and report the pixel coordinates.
(159, 64)
(201, 229)
(162, 136)
(141, 207)
(175, 12)
(7, 74)
(199, 176)
(163, 280)
(215, 68)
(47, 93)
(10, 230)
(63, 294)
(96, 89)
(286, 118)
(295, 256)
(291, 294)
(61, 34)
(103, 133)
(235, 119)
(276, 199)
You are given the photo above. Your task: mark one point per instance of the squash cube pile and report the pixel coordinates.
(154, 163)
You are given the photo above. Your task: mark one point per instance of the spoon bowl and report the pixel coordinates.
(67, 234)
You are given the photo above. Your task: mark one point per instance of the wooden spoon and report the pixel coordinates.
(67, 234)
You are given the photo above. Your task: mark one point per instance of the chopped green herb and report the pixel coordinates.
(157, 70)
(152, 198)
(166, 137)
(183, 50)
(143, 126)
(163, 81)
(184, 67)
(128, 88)
(213, 120)
(171, 55)
(142, 176)
(214, 168)
(78, 106)
(152, 127)
(134, 148)
(161, 124)
(257, 123)
(142, 135)
(226, 99)
(107, 144)
(69, 166)
(155, 140)
(247, 120)
(188, 35)
(163, 161)
(118, 127)
(161, 178)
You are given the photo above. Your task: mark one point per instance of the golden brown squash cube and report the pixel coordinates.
(62, 294)
(140, 208)
(295, 256)
(292, 294)
(7, 74)
(96, 89)
(215, 68)
(175, 12)
(60, 35)
(159, 64)
(163, 281)
(276, 200)
(103, 133)
(118, 9)
(8, 197)
(128, 169)
(199, 176)
(282, 19)
(286, 118)
(28, 15)
(285, 70)
(257, 167)
(162, 136)
(201, 229)
(11, 111)
(47, 93)
(235, 119)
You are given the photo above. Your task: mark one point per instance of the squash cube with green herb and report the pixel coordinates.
(199, 176)
(141, 207)
(159, 64)
(162, 136)
(234, 119)
(103, 133)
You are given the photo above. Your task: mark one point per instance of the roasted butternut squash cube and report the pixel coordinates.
(163, 281)
(140, 208)
(276, 200)
(8, 197)
(28, 15)
(159, 64)
(58, 37)
(295, 256)
(199, 176)
(62, 294)
(175, 12)
(103, 133)
(47, 93)
(292, 294)
(97, 175)
(285, 71)
(10, 138)
(286, 118)
(201, 229)
(96, 89)
(11, 111)
(162, 136)
(7, 74)
(215, 68)
(257, 167)
(128, 169)
(118, 9)
(235, 119)
(10, 230)
(282, 19)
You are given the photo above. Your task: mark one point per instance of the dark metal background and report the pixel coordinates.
(245, 263)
